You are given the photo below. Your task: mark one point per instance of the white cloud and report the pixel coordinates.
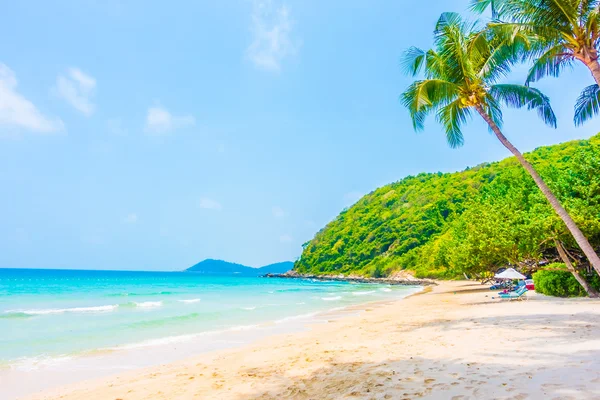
(209, 204)
(278, 212)
(17, 111)
(77, 89)
(131, 218)
(285, 238)
(272, 35)
(160, 121)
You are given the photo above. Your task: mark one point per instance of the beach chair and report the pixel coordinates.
(518, 294)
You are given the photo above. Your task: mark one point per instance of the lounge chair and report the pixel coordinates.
(518, 294)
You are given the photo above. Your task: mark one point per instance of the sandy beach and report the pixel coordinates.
(452, 342)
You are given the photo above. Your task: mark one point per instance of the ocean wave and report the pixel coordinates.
(332, 298)
(133, 294)
(148, 304)
(363, 293)
(180, 338)
(37, 362)
(155, 342)
(295, 317)
(385, 289)
(46, 311)
(14, 315)
(248, 308)
(189, 301)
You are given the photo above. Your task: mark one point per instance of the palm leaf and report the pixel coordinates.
(452, 116)
(551, 63)
(518, 96)
(480, 6)
(423, 96)
(587, 104)
(412, 61)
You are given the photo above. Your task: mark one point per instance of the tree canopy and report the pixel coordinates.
(473, 221)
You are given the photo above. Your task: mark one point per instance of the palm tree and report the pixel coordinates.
(563, 32)
(461, 74)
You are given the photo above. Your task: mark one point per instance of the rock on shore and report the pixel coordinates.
(399, 278)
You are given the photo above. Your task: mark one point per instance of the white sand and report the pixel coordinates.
(437, 345)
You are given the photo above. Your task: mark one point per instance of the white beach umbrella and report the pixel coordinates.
(509, 273)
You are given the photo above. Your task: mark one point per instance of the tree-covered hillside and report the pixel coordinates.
(444, 224)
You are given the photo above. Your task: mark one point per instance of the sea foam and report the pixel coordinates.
(189, 301)
(63, 310)
(363, 293)
(148, 304)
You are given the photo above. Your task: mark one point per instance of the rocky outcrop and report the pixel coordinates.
(396, 279)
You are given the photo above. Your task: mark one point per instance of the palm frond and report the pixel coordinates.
(558, 14)
(493, 109)
(450, 37)
(436, 65)
(518, 96)
(550, 63)
(423, 96)
(480, 6)
(587, 104)
(501, 57)
(413, 61)
(452, 117)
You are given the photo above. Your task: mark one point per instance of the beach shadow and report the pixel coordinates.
(565, 369)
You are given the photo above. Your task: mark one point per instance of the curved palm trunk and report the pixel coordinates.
(563, 255)
(594, 68)
(579, 237)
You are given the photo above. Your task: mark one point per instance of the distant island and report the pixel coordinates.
(221, 267)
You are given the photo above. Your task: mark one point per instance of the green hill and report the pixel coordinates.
(445, 224)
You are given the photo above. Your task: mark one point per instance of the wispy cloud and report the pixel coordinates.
(209, 204)
(272, 30)
(17, 111)
(77, 88)
(285, 238)
(160, 121)
(278, 212)
(131, 218)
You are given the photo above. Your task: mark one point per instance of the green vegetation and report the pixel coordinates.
(462, 72)
(475, 221)
(472, 222)
(557, 283)
(556, 280)
(559, 34)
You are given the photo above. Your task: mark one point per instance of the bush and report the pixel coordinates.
(557, 283)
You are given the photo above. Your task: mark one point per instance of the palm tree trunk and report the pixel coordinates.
(563, 255)
(579, 237)
(594, 67)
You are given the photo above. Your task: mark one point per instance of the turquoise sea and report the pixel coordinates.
(58, 314)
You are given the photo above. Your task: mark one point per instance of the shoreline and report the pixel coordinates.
(453, 342)
(403, 279)
(33, 375)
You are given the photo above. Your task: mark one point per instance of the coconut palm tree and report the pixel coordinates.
(461, 74)
(563, 32)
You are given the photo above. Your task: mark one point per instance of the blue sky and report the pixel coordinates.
(152, 135)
